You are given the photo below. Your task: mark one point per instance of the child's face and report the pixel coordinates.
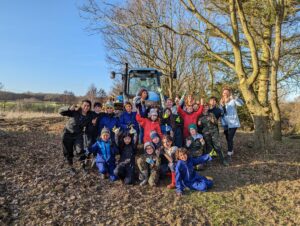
(128, 108)
(127, 140)
(155, 140)
(195, 107)
(167, 143)
(97, 109)
(205, 109)
(182, 156)
(169, 103)
(212, 102)
(189, 109)
(153, 117)
(109, 110)
(193, 132)
(149, 150)
(105, 137)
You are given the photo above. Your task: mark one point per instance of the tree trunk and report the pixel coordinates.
(264, 74)
(276, 56)
(261, 132)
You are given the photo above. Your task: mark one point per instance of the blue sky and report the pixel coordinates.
(44, 48)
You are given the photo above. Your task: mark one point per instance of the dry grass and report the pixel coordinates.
(26, 115)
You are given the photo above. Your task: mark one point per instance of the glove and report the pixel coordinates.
(159, 89)
(116, 130)
(150, 161)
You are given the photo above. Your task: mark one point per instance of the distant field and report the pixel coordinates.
(21, 106)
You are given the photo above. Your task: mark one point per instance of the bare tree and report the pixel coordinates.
(140, 46)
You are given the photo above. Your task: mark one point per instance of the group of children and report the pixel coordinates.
(177, 140)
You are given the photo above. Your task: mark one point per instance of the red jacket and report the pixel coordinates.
(189, 119)
(148, 126)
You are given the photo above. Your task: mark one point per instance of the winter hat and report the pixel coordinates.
(153, 111)
(109, 105)
(105, 130)
(153, 134)
(148, 144)
(193, 126)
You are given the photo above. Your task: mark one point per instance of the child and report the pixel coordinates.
(149, 164)
(156, 141)
(149, 124)
(185, 174)
(91, 132)
(169, 154)
(127, 149)
(109, 120)
(128, 119)
(210, 130)
(106, 151)
(189, 116)
(195, 142)
(167, 123)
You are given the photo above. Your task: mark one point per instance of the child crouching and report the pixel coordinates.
(127, 149)
(149, 165)
(186, 176)
(106, 151)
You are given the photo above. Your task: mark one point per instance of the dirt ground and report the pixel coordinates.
(35, 189)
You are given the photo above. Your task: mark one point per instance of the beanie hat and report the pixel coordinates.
(148, 144)
(109, 104)
(153, 134)
(193, 126)
(105, 130)
(153, 111)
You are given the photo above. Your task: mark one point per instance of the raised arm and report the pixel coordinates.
(67, 111)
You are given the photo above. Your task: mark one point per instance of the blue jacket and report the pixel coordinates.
(127, 119)
(185, 173)
(218, 112)
(230, 119)
(105, 151)
(109, 121)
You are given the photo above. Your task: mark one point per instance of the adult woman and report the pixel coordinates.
(72, 137)
(230, 120)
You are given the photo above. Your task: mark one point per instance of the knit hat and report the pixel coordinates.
(193, 126)
(105, 130)
(153, 111)
(153, 134)
(148, 144)
(109, 104)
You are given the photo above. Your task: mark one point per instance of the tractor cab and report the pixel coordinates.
(141, 78)
(146, 78)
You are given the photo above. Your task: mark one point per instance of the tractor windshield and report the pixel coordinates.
(137, 82)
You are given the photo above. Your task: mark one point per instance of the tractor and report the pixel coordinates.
(136, 79)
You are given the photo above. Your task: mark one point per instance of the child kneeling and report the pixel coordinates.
(106, 151)
(127, 149)
(149, 165)
(186, 176)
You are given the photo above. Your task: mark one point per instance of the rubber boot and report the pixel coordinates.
(222, 158)
(145, 174)
(172, 185)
